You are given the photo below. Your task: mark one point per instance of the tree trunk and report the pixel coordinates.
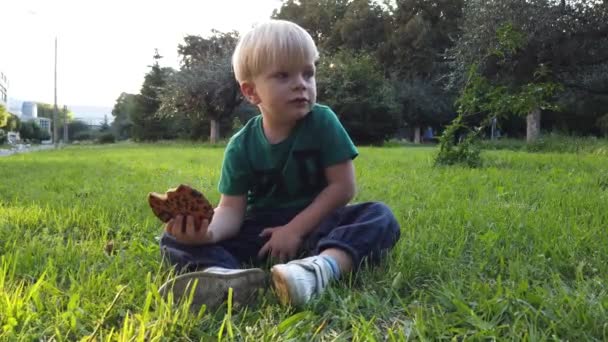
(215, 131)
(533, 129)
(417, 134)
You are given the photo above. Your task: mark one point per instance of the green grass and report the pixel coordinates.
(515, 250)
(557, 143)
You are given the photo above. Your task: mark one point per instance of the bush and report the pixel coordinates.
(31, 131)
(106, 138)
(83, 135)
(3, 137)
(79, 130)
(459, 145)
(602, 123)
(43, 135)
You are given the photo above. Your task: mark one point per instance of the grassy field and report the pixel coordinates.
(514, 250)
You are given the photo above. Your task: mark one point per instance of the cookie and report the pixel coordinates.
(182, 200)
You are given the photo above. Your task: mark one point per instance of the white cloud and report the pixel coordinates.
(105, 46)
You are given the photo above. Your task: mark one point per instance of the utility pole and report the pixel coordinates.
(55, 128)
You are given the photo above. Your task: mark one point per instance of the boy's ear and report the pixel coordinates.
(248, 90)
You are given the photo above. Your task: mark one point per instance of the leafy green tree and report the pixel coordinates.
(420, 33)
(105, 126)
(424, 104)
(318, 17)
(358, 25)
(364, 27)
(123, 110)
(204, 90)
(147, 124)
(13, 123)
(491, 99)
(354, 86)
(566, 40)
(4, 115)
(31, 131)
(46, 110)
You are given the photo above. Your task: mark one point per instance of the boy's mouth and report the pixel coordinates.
(299, 100)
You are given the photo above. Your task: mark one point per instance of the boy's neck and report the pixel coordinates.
(276, 132)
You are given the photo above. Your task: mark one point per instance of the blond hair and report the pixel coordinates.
(270, 43)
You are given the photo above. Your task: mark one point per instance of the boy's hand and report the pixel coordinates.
(184, 231)
(283, 244)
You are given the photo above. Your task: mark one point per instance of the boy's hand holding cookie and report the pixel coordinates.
(184, 229)
(187, 214)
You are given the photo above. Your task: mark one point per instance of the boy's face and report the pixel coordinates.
(284, 93)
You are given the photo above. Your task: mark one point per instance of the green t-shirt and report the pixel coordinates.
(289, 174)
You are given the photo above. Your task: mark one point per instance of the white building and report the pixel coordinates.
(29, 112)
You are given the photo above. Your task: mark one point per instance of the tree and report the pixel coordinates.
(205, 89)
(489, 99)
(46, 110)
(358, 25)
(354, 86)
(423, 103)
(147, 124)
(318, 17)
(4, 115)
(567, 39)
(420, 33)
(105, 126)
(31, 131)
(13, 124)
(123, 110)
(364, 27)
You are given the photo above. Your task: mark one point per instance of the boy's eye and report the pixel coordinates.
(281, 75)
(309, 73)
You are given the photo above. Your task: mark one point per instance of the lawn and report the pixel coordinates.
(516, 249)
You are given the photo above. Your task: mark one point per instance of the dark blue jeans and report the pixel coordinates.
(365, 231)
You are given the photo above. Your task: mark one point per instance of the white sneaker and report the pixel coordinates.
(213, 284)
(299, 280)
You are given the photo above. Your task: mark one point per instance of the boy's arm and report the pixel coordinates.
(227, 217)
(341, 188)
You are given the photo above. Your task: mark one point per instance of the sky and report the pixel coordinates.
(105, 46)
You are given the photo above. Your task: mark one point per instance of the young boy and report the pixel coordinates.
(285, 183)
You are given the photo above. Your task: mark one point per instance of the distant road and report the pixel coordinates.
(24, 149)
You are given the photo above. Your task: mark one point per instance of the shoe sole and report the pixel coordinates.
(212, 288)
(281, 286)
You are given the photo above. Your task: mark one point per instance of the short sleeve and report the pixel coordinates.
(337, 144)
(235, 176)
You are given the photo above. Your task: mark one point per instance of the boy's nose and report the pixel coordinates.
(299, 83)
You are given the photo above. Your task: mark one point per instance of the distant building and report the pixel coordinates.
(45, 124)
(3, 90)
(29, 111)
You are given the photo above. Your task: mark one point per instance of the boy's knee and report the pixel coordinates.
(383, 211)
(390, 225)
